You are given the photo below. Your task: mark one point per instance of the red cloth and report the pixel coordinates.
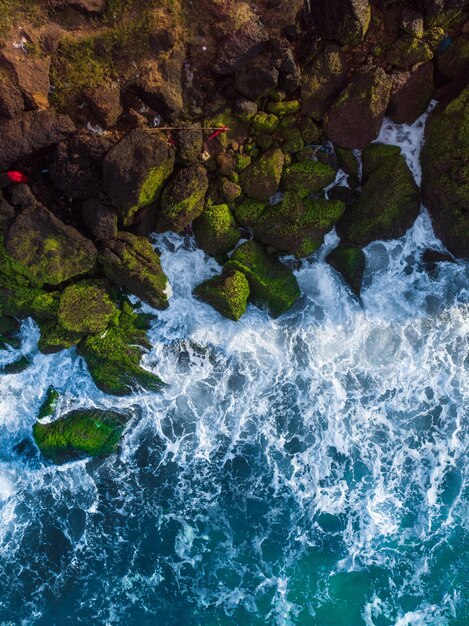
(17, 177)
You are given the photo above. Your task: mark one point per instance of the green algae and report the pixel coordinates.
(307, 177)
(261, 179)
(350, 262)
(228, 293)
(248, 212)
(265, 122)
(49, 404)
(283, 108)
(215, 230)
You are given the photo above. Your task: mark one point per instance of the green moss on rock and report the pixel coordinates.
(228, 293)
(215, 230)
(261, 179)
(49, 404)
(271, 284)
(350, 262)
(86, 432)
(248, 212)
(408, 51)
(281, 109)
(292, 140)
(307, 177)
(86, 307)
(183, 199)
(54, 337)
(265, 122)
(113, 357)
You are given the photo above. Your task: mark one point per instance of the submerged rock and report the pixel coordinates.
(215, 230)
(131, 262)
(113, 357)
(81, 433)
(183, 199)
(445, 173)
(298, 225)
(271, 284)
(261, 179)
(350, 262)
(16, 367)
(228, 293)
(389, 201)
(135, 170)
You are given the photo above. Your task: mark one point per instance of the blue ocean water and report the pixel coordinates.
(308, 470)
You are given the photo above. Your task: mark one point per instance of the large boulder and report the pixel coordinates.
(237, 48)
(135, 170)
(298, 225)
(389, 201)
(261, 179)
(323, 79)
(11, 98)
(81, 433)
(271, 284)
(31, 74)
(408, 51)
(100, 220)
(131, 262)
(257, 78)
(113, 358)
(160, 83)
(307, 177)
(215, 230)
(411, 94)
(30, 132)
(51, 251)
(227, 293)
(445, 173)
(105, 102)
(346, 21)
(183, 199)
(355, 118)
(350, 263)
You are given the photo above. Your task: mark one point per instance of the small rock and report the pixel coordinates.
(351, 263)
(227, 294)
(105, 103)
(261, 179)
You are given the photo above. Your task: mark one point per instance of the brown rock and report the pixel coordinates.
(31, 74)
(257, 78)
(346, 21)
(105, 102)
(236, 49)
(411, 94)
(29, 132)
(355, 118)
(11, 99)
(50, 37)
(100, 220)
(160, 83)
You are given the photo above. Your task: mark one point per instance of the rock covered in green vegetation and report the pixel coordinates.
(283, 108)
(113, 357)
(389, 201)
(135, 170)
(261, 179)
(345, 21)
(307, 177)
(81, 433)
(183, 199)
(445, 173)
(228, 293)
(408, 51)
(356, 116)
(323, 80)
(265, 122)
(350, 262)
(215, 230)
(348, 162)
(50, 251)
(248, 212)
(271, 284)
(131, 262)
(49, 404)
(86, 307)
(298, 225)
(9, 329)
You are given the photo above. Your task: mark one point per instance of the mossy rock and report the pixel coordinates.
(242, 161)
(182, 200)
(16, 367)
(389, 201)
(230, 190)
(261, 179)
(49, 404)
(238, 129)
(346, 22)
(86, 307)
(271, 284)
(408, 51)
(265, 122)
(311, 132)
(113, 358)
(298, 225)
(215, 230)
(350, 263)
(228, 293)
(307, 177)
(248, 212)
(55, 338)
(348, 162)
(445, 173)
(81, 433)
(283, 108)
(292, 140)
(9, 330)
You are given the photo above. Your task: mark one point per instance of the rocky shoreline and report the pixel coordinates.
(228, 121)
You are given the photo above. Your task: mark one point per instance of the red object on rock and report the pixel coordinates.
(221, 130)
(17, 177)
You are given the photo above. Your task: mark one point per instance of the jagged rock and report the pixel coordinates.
(51, 251)
(135, 170)
(323, 80)
(160, 83)
(30, 132)
(261, 179)
(31, 74)
(85, 432)
(228, 293)
(77, 166)
(113, 357)
(412, 22)
(346, 21)
(355, 118)
(9, 331)
(348, 162)
(289, 70)
(307, 177)
(237, 48)
(100, 220)
(431, 259)
(215, 230)
(411, 94)
(298, 225)
(389, 201)
(408, 51)
(16, 367)
(271, 284)
(351, 263)
(183, 199)
(50, 37)
(257, 78)
(131, 262)
(445, 173)
(189, 142)
(11, 99)
(245, 108)
(105, 102)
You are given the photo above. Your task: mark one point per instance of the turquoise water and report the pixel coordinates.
(309, 470)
